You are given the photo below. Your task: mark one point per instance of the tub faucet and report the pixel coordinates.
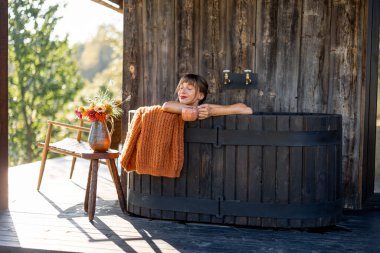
(226, 77)
(248, 80)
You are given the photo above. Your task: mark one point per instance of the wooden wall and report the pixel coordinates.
(309, 56)
(3, 105)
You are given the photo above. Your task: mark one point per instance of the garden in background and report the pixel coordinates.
(48, 77)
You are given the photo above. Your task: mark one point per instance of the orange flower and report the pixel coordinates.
(100, 108)
(100, 116)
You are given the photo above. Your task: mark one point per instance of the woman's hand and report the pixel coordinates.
(204, 111)
(189, 113)
(208, 110)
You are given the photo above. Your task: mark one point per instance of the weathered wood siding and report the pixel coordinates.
(309, 56)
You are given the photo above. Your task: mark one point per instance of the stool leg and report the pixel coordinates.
(110, 170)
(42, 169)
(87, 188)
(44, 156)
(116, 179)
(72, 166)
(93, 185)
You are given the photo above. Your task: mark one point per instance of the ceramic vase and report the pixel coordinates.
(99, 138)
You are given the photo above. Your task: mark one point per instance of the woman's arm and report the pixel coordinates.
(207, 110)
(189, 113)
(173, 107)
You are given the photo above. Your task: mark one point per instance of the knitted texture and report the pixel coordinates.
(154, 143)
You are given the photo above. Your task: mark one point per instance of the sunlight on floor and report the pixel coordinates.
(54, 218)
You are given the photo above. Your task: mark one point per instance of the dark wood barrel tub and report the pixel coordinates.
(266, 169)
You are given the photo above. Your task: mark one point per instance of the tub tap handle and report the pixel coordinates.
(226, 77)
(248, 80)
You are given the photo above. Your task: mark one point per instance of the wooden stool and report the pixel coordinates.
(81, 149)
(90, 198)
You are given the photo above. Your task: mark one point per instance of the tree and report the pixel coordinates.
(43, 75)
(101, 61)
(97, 54)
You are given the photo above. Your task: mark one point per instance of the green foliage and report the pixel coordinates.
(100, 62)
(43, 75)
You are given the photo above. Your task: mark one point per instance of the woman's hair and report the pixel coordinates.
(197, 81)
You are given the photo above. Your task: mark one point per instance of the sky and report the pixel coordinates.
(80, 19)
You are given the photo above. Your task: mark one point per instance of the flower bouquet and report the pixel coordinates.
(102, 107)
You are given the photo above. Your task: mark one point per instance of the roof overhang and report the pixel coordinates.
(116, 5)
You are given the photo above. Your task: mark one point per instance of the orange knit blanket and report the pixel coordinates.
(154, 143)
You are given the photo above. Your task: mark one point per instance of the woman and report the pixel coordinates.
(192, 92)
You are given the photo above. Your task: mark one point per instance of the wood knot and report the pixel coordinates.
(132, 71)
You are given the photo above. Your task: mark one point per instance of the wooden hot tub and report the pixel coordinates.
(270, 170)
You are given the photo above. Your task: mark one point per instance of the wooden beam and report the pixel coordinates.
(3, 104)
(371, 83)
(108, 4)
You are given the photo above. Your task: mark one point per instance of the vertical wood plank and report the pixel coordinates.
(309, 170)
(212, 44)
(345, 87)
(339, 189)
(137, 188)
(193, 172)
(124, 185)
(197, 36)
(205, 170)
(230, 169)
(282, 170)
(131, 187)
(208, 34)
(218, 168)
(266, 48)
(145, 188)
(242, 20)
(131, 61)
(255, 170)
(165, 35)
(156, 190)
(295, 172)
(166, 53)
(287, 65)
(187, 54)
(239, 29)
(242, 169)
(240, 42)
(371, 73)
(168, 190)
(321, 173)
(332, 168)
(314, 61)
(228, 94)
(142, 98)
(150, 14)
(253, 94)
(269, 170)
(339, 181)
(180, 183)
(4, 105)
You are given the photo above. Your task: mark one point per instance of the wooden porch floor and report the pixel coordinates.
(53, 219)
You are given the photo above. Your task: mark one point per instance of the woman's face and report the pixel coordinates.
(188, 94)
